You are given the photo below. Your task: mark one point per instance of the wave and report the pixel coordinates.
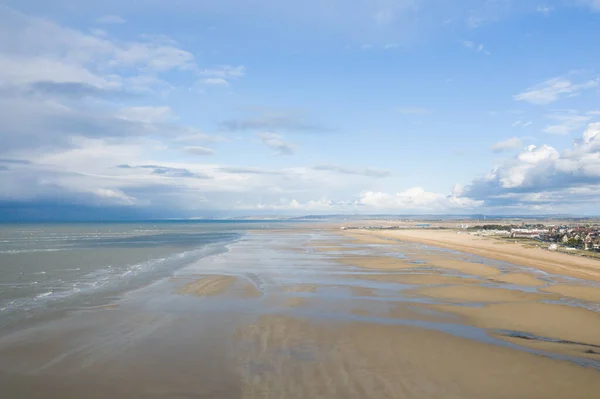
(26, 251)
(104, 282)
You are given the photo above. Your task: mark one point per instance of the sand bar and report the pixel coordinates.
(560, 322)
(472, 268)
(378, 262)
(583, 292)
(478, 294)
(519, 279)
(415, 278)
(208, 286)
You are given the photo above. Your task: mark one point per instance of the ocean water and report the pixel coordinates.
(47, 268)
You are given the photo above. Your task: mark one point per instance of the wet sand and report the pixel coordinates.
(296, 358)
(275, 318)
(459, 293)
(585, 293)
(560, 322)
(416, 278)
(553, 262)
(519, 279)
(208, 286)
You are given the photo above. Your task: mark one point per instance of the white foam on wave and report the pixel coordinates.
(110, 279)
(26, 251)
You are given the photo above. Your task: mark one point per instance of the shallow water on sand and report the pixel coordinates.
(46, 268)
(276, 316)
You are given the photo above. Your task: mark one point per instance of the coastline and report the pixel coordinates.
(536, 258)
(303, 313)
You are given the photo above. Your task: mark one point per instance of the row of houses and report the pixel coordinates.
(581, 237)
(584, 237)
(574, 237)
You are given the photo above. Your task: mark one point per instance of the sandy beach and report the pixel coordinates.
(537, 258)
(311, 313)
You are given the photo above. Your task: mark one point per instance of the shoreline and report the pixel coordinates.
(536, 258)
(277, 314)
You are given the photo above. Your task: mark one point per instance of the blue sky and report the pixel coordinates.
(228, 107)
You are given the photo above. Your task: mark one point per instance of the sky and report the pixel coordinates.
(200, 108)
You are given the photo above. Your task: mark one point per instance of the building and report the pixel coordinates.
(527, 233)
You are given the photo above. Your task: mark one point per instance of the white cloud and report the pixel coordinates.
(410, 110)
(554, 89)
(215, 82)
(384, 17)
(508, 144)
(322, 205)
(276, 142)
(98, 32)
(544, 9)
(192, 135)
(224, 71)
(591, 136)
(593, 4)
(480, 48)
(371, 172)
(544, 172)
(146, 114)
(273, 119)
(531, 159)
(24, 70)
(42, 51)
(416, 198)
(115, 196)
(521, 123)
(198, 150)
(60, 83)
(220, 76)
(567, 122)
(123, 171)
(111, 19)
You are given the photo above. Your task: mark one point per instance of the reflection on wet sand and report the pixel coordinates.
(283, 357)
(311, 314)
(490, 295)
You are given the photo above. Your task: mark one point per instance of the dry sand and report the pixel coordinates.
(282, 357)
(538, 258)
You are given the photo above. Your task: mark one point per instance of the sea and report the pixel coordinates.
(50, 268)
